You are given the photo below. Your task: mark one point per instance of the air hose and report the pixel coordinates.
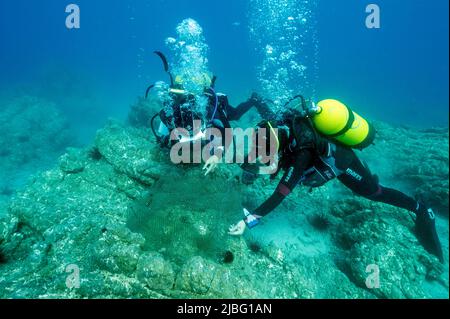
(158, 138)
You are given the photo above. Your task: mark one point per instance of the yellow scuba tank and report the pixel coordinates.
(335, 120)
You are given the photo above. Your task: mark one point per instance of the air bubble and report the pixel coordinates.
(289, 63)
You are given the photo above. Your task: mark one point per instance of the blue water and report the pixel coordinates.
(398, 74)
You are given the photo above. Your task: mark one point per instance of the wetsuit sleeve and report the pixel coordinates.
(290, 179)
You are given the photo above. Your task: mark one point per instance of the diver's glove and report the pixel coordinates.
(426, 231)
(212, 163)
(262, 106)
(251, 220)
(256, 97)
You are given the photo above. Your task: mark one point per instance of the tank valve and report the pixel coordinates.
(314, 109)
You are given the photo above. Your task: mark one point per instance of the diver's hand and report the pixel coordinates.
(211, 164)
(238, 229)
(256, 97)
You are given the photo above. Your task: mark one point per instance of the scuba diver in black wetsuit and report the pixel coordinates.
(180, 111)
(219, 114)
(311, 159)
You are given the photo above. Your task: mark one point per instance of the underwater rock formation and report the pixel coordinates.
(155, 271)
(413, 159)
(143, 110)
(373, 234)
(137, 226)
(33, 133)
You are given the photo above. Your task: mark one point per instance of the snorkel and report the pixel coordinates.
(277, 140)
(258, 162)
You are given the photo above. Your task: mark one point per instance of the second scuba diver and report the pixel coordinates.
(181, 110)
(312, 159)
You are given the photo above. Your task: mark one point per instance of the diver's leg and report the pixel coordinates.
(264, 110)
(235, 113)
(359, 179)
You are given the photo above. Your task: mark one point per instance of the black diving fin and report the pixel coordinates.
(166, 65)
(166, 69)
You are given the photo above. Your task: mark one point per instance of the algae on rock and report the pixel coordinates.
(137, 226)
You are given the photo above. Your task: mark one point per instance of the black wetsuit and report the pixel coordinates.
(180, 114)
(305, 149)
(230, 113)
(226, 113)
